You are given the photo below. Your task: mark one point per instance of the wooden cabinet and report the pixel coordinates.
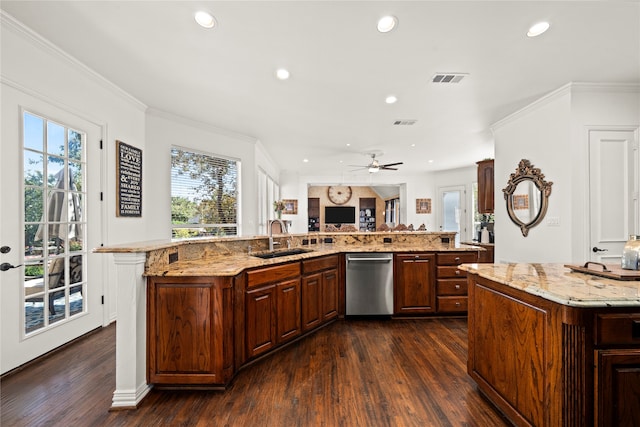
(320, 291)
(485, 186)
(189, 330)
(617, 370)
(413, 284)
(451, 286)
(272, 307)
(547, 364)
(260, 327)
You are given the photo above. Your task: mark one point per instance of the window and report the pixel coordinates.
(54, 222)
(204, 195)
(268, 192)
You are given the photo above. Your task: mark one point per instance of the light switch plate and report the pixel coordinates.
(553, 220)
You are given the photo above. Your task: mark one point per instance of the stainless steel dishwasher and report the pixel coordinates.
(369, 284)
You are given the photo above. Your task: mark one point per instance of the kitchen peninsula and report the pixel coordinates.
(191, 313)
(552, 347)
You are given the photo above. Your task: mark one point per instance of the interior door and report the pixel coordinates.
(453, 217)
(50, 172)
(613, 174)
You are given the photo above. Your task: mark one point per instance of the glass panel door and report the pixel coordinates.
(54, 222)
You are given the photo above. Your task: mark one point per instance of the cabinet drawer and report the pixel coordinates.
(618, 329)
(450, 271)
(272, 274)
(452, 304)
(318, 264)
(456, 258)
(452, 287)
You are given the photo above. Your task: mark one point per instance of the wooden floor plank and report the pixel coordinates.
(350, 373)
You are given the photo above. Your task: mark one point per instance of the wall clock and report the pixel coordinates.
(339, 194)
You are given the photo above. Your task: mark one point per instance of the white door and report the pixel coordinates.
(452, 212)
(50, 217)
(613, 175)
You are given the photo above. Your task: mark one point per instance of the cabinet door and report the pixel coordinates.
(485, 186)
(187, 319)
(414, 284)
(617, 394)
(311, 309)
(329, 295)
(288, 305)
(260, 320)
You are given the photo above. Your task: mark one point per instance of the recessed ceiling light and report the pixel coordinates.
(538, 29)
(430, 161)
(413, 145)
(387, 23)
(391, 99)
(348, 145)
(205, 19)
(305, 160)
(282, 74)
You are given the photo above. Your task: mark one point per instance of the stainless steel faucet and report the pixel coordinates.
(283, 230)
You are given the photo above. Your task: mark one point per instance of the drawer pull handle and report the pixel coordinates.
(457, 286)
(635, 329)
(457, 304)
(457, 272)
(457, 259)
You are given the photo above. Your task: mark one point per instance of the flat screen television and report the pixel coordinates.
(340, 214)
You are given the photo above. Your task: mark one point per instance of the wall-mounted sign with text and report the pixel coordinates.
(129, 176)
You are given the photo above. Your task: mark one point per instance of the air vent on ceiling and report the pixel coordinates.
(404, 122)
(448, 77)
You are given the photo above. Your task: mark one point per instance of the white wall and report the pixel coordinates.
(552, 134)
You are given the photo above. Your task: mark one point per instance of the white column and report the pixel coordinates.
(131, 325)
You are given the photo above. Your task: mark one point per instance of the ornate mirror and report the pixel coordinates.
(527, 196)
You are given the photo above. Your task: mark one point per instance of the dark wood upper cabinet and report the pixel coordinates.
(485, 186)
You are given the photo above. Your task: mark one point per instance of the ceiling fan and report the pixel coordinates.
(375, 165)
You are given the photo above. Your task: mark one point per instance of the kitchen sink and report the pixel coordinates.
(281, 253)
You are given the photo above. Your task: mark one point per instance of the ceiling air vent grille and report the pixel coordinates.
(448, 77)
(404, 122)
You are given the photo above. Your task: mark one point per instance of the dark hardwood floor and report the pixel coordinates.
(350, 373)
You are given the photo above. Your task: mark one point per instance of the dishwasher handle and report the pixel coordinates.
(368, 259)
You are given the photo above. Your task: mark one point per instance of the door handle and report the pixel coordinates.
(6, 266)
(597, 249)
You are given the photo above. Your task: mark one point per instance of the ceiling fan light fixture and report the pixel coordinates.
(387, 23)
(538, 29)
(373, 169)
(205, 19)
(391, 99)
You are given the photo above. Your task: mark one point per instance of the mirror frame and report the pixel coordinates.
(526, 172)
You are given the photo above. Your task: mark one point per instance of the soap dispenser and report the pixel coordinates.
(484, 235)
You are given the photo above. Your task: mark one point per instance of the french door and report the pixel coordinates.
(51, 284)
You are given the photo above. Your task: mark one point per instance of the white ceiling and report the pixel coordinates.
(342, 68)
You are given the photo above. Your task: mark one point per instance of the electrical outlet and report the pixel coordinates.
(553, 221)
(173, 257)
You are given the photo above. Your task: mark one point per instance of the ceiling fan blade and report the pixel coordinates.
(388, 169)
(391, 164)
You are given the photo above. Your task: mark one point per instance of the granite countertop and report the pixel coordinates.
(476, 243)
(231, 264)
(557, 283)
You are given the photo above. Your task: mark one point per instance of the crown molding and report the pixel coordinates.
(10, 23)
(199, 125)
(571, 87)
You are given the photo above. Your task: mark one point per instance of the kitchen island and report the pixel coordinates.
(551, 347)
(191, 313)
